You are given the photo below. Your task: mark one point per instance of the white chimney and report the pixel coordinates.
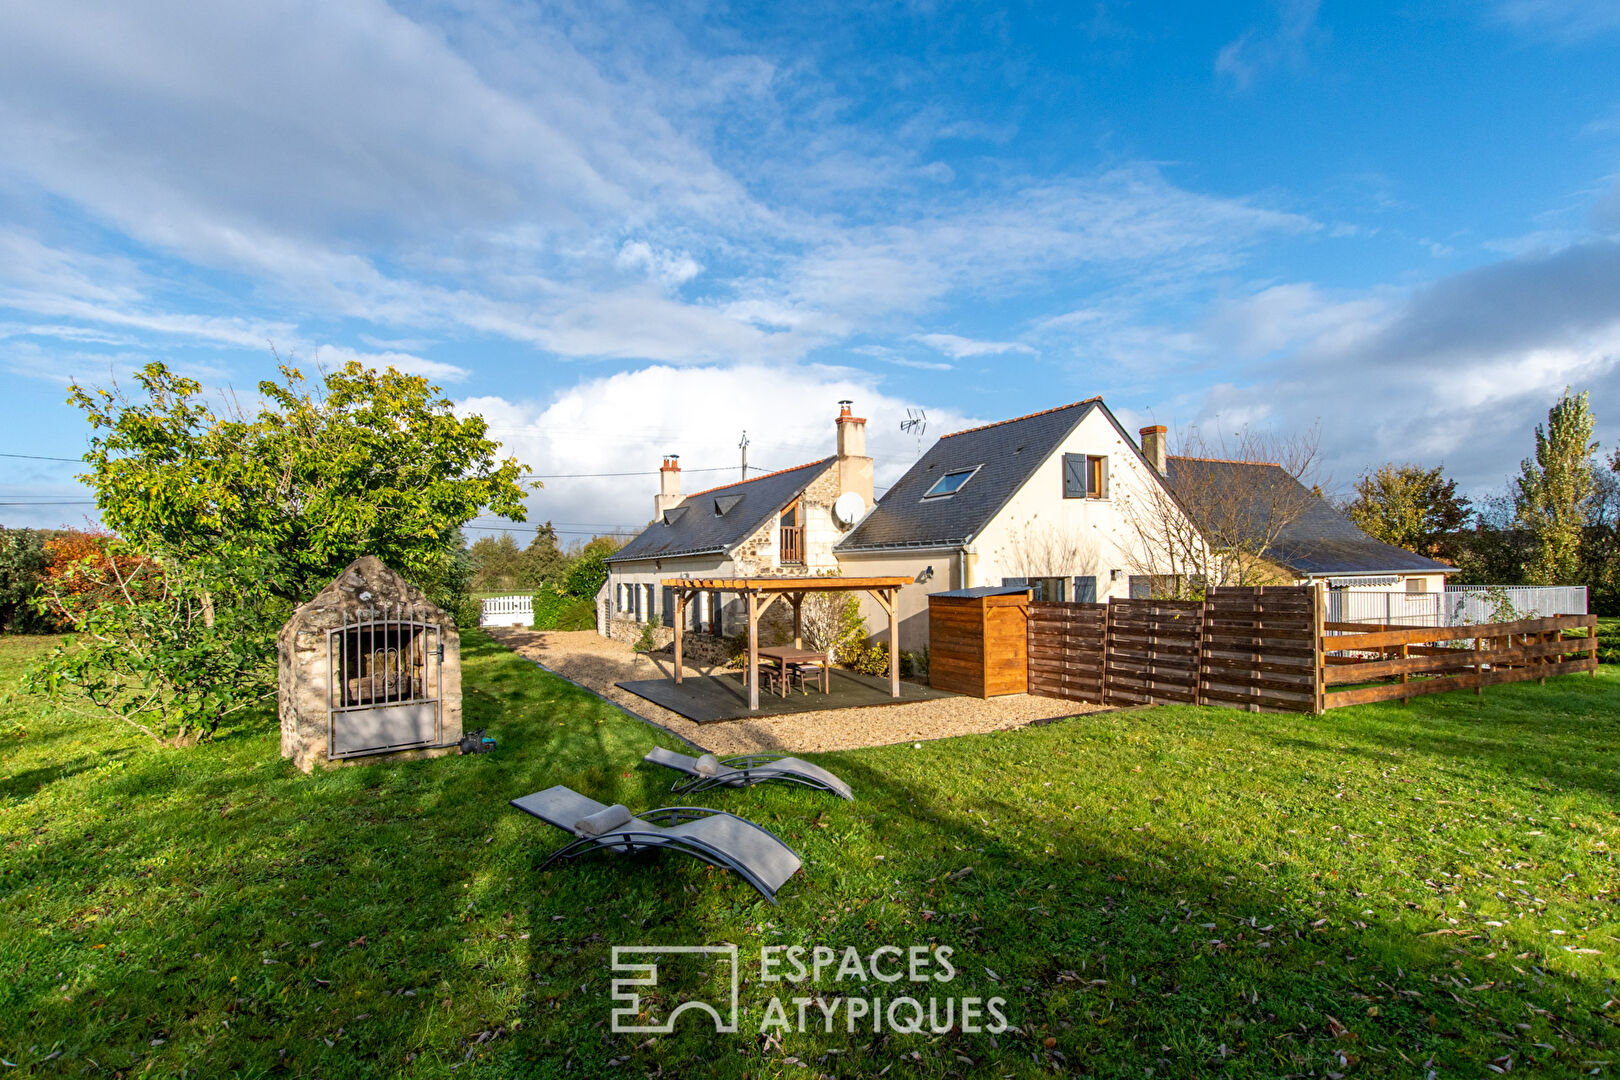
(669, 486)
(1153, 446)
(854, 467)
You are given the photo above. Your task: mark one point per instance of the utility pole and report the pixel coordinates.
(743, 446)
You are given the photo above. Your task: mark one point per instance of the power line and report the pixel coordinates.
(598, 475)
(42, 457)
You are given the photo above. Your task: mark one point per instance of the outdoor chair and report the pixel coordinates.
(744, 771)
(717, 838)
(818, 670)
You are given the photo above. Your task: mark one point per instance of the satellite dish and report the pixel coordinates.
(848, 508)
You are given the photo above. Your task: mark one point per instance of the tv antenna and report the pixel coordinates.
(743, 446)
(915, 423)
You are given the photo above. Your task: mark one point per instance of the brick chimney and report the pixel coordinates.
(1153, 446)
(669, 486)
(854, 467)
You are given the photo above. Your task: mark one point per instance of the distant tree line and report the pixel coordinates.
(564, 582)
(1557, 522)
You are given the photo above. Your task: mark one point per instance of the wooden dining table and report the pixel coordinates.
(783, 657)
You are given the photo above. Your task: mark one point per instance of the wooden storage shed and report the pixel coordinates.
(978, 640)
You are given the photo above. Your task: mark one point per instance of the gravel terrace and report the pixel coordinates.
(595, 662)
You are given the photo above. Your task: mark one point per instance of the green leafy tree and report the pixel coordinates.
(589, 569)
(1409, 506)
(497, 563)
(1553, 491)
(1600, 546)
(235, 517)
(23, 560)
(543, 560)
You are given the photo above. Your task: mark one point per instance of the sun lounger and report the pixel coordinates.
(718, 838)
(709, 771)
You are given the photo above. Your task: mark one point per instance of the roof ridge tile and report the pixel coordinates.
(761, 476)
(1026, 416)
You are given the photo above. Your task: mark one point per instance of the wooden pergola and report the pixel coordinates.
(759, 593)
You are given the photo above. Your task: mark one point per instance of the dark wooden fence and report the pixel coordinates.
(1066, 650)
(1241, 648)
(1268, 650)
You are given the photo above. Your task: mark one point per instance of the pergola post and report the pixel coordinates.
(886, 599)
(680, 624)
(751, 603)
(797, 600)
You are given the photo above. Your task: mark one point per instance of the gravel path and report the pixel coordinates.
(595, 662)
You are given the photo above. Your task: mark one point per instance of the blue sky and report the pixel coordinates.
(621, 230)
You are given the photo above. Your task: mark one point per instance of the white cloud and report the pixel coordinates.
(666, 268)
(335, 356)
(1458, 371)
(958, 347)
(628, 421)
(1258, 51)
(1566, 21)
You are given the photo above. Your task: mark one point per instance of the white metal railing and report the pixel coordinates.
(507, 611)
(1459, 605)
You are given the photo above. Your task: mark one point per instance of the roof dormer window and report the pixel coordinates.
(950, 483)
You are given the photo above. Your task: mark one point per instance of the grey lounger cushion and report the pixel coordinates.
(616, 816)
(719, 838)
(785, 768)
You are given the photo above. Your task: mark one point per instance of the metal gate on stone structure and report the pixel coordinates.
(387, 686)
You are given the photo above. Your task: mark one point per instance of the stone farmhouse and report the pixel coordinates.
(1052, 500)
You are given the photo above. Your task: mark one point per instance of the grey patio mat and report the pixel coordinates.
(708, 698)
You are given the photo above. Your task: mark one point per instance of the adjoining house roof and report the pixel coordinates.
(1005, 454)
(712, 521)
(1318, 540)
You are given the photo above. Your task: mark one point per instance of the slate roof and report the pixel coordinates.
(692, 527)
(1007, 454)
(1318, 542)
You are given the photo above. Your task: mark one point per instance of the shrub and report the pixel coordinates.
(24, 560)
(832, 621)
(648, 641)
(913, 664)
(555, 609)
(868, 658)
(1609, 642)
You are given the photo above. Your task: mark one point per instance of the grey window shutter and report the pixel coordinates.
(669, 606)
(1085, 590)
(1014, 581)
(717, 608)
(1074, 476)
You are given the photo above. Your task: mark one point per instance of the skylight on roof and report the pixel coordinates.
(950, 483)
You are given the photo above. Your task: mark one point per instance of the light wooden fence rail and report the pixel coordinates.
(1433, 660)
(1269, 649)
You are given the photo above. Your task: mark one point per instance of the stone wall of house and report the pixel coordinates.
(821, 533)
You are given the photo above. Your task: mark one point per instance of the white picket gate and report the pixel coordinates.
(507, 611)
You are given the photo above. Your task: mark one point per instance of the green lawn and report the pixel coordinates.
(1167, 892)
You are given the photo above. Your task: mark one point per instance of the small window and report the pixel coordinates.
(1085, 476)
(1417, 585)
(950, 483)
